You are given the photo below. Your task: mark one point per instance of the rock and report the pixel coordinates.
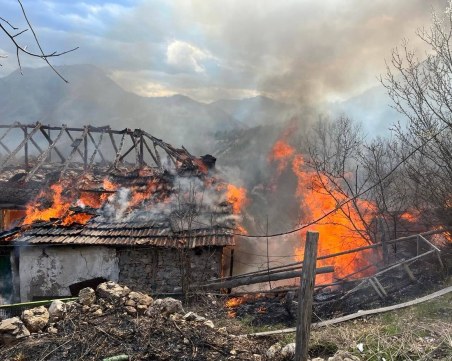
(343, 356)
(57, 310)
(52, 330)
(131, 310)
(85, 309)
(168, 306)
(273, 351)
(36, 318)
(112, 291)
(191, 316)
(288, 350)
(208, 323)
(318, 359)
(98, 312)
(256, 357)
(12, 330)
(141, 309)
(140, 298)
(87, 296)
(130, 303)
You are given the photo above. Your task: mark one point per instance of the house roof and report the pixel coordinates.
(124, 234)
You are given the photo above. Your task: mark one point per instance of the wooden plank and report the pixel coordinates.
(380, 286)
(409, 272)
(376, 289)
(260, 278)
(306, 297)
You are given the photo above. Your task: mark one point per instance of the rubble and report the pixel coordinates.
(119, 321)
(12, 330)
(36, 318)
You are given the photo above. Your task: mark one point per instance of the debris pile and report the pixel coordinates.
(113, 320)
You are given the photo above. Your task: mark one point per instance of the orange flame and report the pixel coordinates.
(338, 232)
(281, 153)
(236, 196)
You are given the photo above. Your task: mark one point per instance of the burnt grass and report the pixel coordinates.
(85, 337)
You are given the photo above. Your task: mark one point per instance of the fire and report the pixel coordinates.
(57, 202)
(340, 231)
(281, 153)
(236, 196)
(57, 209)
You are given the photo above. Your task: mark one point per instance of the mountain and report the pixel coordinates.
(372, 109)
(91, 97)
(256, 111)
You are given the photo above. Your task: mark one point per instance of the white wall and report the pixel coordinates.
(48, 271)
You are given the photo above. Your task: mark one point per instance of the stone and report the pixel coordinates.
(288, 351)
(140, 298)
(12, 330)
(112, 291)
(318, 359)
(85, 309)
(343, 356)
(87, 296)
(256, 357)
(130, 303)
(141, 309)
(273, 351)
(52, 330)
(208, 323)
(36, 319)
(131, 310)
(168, 306)
(97, 313)
(57, 310)
(191, 316)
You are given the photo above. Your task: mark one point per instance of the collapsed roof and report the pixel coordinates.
(95, 185)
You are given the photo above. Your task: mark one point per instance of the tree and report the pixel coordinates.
(422, 91)
(13, 33)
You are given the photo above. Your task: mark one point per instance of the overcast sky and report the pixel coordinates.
(299, 51)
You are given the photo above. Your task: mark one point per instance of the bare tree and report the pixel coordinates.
(335, 153)
(422, 91)
(13, 33)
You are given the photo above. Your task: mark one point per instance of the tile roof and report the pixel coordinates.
(125, 234)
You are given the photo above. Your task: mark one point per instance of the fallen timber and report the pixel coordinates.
(243, 281)
(358, 314)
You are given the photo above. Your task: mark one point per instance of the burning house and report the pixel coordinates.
(97, 203)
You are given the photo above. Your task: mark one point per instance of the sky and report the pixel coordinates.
(299, 51)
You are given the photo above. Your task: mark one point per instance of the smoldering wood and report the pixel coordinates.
(52, 144)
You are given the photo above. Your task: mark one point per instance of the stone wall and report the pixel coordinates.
(158, 269)
(49, 271)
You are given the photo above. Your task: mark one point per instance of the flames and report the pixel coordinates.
(342, 230)
(78, 200)
(236, 196)
(57, 201)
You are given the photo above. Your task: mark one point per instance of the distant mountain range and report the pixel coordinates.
(92, 97)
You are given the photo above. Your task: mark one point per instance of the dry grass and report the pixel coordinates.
(422, 332)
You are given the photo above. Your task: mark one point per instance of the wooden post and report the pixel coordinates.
(306, 297)
(231, 268)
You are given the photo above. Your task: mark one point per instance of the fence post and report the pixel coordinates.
(306, 297)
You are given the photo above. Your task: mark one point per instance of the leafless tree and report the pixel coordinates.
(422, 91)
(335, 153)
(13, 33)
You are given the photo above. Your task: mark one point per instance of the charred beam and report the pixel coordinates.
(47, 136)
(42, 157)
(20, 146)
